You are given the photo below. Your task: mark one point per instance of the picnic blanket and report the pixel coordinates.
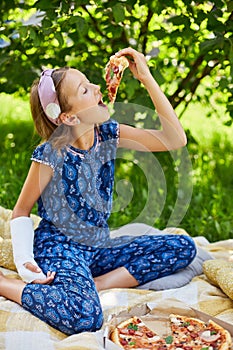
(19, 330)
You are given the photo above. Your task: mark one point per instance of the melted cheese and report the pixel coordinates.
(175, 321)
(154, 338)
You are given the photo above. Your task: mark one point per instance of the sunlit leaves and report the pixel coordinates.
(192, 40)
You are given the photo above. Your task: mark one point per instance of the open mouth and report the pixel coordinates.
(101, 104)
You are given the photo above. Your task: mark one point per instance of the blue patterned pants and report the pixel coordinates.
(71, 303)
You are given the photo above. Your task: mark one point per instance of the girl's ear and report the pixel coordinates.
(69, 119)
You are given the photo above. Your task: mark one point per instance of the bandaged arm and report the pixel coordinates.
(22, 235)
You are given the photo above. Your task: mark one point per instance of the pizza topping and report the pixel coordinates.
(169, 339)
(208, 337)
(133, 326)
(183, 337)
(124, 342)
(175, 320)
(131, 331)
(138, 333)
(132, 343)
(123, 330)
(191, 328)
(193, 335)
(150, 334)
(154, 338)
(115, 69)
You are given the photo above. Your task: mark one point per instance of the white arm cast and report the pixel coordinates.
(22, 235)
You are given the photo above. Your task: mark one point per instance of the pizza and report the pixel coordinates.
(134, 334)
(113, 74)
(198, 335)
(187, 333)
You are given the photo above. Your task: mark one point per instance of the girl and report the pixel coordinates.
(72, 256)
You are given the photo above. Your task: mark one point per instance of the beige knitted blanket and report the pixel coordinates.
(22, 331)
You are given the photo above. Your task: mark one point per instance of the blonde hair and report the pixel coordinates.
(60, 135)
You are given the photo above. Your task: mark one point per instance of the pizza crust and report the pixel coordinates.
(120, 62)
(115, 338)
(115, 334)
(186, 319)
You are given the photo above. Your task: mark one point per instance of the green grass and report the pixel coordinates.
(210, 211)
(146, 186)
(16, 145)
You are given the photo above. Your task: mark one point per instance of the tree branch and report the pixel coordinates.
(183, 83)
(206, 71)
(144, 29)
(93, 21)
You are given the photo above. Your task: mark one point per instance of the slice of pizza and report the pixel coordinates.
(113, 74)
(198, 335)
(134, 334)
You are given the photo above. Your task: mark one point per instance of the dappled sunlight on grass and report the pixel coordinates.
(206, 129)
(16, 145)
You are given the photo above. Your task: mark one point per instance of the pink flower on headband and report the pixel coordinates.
(48, 96)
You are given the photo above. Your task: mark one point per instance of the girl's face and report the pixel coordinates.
(84, 98)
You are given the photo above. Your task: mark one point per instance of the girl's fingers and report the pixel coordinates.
(51, 274)
(138, 64)
(48, 280)
(127, 51)
(32, 267)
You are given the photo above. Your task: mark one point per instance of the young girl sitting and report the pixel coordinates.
(71, 255)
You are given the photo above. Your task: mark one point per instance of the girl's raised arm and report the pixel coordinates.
(171, 136)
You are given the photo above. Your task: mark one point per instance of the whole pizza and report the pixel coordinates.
(187, 333)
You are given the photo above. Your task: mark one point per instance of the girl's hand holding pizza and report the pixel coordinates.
(138, 64)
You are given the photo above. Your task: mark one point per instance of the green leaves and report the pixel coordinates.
(180, 20)
(212, 44)
(229, 6)
(190, 41)
(118, 13)
(58, 36)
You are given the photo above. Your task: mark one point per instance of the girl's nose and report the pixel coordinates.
(97, 89)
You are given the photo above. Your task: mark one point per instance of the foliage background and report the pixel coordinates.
(189, 49)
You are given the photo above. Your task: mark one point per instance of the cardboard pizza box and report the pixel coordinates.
(156, 317)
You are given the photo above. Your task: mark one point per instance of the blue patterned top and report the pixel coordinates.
(78, 199)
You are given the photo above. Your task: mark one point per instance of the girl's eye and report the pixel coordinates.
(85, 91)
